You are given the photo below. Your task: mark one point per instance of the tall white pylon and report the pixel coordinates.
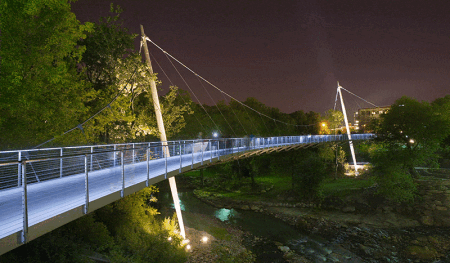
(162, 132)
(350, 142)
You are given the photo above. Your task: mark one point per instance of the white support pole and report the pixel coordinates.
(162, 131)
(352, 150)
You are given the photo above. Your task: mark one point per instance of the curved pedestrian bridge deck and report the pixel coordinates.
(41, 190)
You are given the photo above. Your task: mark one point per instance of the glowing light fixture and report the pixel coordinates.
(215, 134)
(170, 239)
(205, 239)
(411, 141)
(188, 247)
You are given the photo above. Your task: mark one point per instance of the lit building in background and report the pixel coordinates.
(364, 116)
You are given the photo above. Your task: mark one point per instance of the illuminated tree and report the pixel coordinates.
(409, 135)
(41, 94)
(114, 68)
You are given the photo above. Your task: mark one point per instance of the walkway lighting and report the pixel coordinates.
(205, 239)
(412, 141)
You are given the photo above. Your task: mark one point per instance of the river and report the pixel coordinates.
(265, 227)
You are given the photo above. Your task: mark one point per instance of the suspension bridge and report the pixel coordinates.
(42, 189)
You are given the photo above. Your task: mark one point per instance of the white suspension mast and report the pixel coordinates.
(163, 137)
(350, 142)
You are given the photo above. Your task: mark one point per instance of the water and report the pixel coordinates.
(260, 225)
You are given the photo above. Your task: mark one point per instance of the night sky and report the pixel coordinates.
(290, 54)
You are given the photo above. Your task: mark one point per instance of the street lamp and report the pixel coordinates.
(215, 134)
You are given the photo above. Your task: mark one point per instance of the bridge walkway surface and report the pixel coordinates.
(45, 189)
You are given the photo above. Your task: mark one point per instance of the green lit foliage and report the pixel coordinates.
(311, 173)
(124, 231)
(41, 93)
(409, 135)
(246, 122)
(442, 108)
(113, 68)
(394, 180)
(137, 233)
(334, 118)
(333, 154)
(411, 132)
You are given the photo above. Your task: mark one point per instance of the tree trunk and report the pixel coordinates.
(201, 176)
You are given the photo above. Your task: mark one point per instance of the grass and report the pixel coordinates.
(241, 190)
(345, 186)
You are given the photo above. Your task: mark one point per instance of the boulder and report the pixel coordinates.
(284, 249)
(348, 209)
(245, 207)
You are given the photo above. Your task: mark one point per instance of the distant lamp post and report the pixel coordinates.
(215, 134)
(324, 128)
(412, 141)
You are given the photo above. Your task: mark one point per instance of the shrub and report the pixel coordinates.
(307, 180)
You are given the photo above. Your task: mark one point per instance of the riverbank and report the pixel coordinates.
(374, 231)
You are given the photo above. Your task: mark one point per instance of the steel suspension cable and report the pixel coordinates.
(359, 97)
(201, 83)
(251, 121)
(232, 110)
(80, 126)
(193, 93)
(177, 90)
(223, 92)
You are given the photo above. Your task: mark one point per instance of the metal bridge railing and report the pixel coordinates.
(38, 184)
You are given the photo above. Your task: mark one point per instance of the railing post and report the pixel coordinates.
(232, 147)
(165, 153)
(24, 202)
(123, 174)
(134, 154)
(115, 155)
(218, 149)
(19, 170)
(192, 152)
(201, 147)
(148, 165)
(181, 160)
(210, 151)
(86, 184)
(92, 150)
(61, 163)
